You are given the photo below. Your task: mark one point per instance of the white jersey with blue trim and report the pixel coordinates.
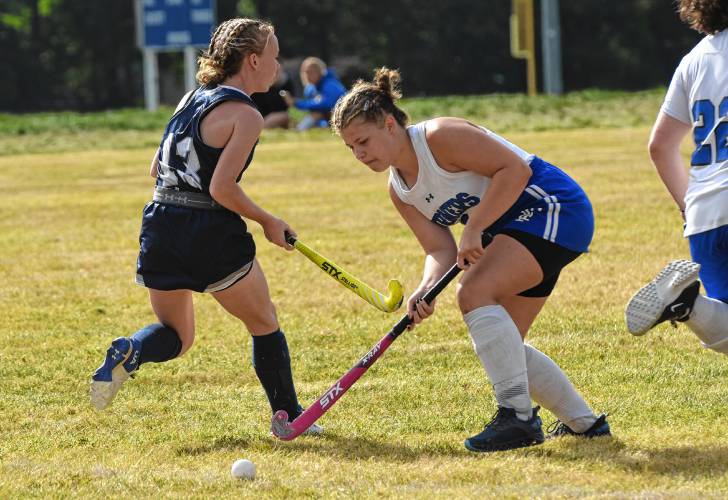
(698, 96)
(443, 197)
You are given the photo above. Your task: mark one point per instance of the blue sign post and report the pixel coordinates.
(171, 25)
(175, 24)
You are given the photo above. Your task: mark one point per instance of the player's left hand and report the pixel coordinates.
(470, 248)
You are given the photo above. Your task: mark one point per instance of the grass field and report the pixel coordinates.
(67, 253)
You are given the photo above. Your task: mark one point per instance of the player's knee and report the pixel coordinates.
(470, 297)
(263, 320)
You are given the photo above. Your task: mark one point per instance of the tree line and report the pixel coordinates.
(82, 55)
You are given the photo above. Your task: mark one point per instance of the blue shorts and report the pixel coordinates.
(553, 207)
(710, 250)
(192, 249)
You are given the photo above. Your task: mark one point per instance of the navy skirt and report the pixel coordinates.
(192, 249)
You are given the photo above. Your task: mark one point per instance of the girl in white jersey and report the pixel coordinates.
(445, 171)
(696, 101)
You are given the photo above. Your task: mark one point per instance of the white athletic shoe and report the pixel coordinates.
(314, 430)
(669, 297)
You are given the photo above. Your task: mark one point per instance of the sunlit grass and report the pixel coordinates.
(68, 243)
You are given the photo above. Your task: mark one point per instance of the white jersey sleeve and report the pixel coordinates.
(677, 102)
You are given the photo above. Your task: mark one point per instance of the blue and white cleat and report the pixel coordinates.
(122, 359)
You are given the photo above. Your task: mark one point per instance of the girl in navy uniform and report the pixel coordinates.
(193, 235)
(445, 171)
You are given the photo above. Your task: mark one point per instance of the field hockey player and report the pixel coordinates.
(193, 235)
(697, 102)
(447, 170)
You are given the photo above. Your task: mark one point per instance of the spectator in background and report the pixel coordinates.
(272, 105)
(321, 91)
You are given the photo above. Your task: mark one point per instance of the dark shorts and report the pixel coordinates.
(551, 257)
(192, 249)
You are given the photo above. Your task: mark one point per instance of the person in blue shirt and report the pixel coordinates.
(321, 92)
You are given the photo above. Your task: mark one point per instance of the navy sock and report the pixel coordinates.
(157, 343)
(272, 364)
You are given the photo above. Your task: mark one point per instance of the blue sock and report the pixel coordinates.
(272, 364)
(157, 343)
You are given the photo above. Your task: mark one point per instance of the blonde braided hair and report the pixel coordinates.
(232, 41)
(370, 101)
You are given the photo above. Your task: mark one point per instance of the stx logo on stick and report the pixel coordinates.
(336, 273)
(331, 270)
(330, 395)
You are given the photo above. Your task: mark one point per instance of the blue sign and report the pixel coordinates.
(175, 24)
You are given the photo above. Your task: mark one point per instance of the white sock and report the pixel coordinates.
(709, 321)
(551, 388)
(500, 349)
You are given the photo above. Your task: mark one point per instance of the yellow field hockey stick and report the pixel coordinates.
(386, 303)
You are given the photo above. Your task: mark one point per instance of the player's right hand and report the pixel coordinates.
(417, 308)
(275, 231)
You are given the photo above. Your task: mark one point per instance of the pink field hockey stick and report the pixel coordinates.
(287, 431)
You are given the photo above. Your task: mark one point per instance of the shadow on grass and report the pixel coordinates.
(329, 444)
(349, 447)
(221, 443)
(697, 461)
(690, 462)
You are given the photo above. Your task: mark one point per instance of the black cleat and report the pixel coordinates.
(598, 429)
(506, 432)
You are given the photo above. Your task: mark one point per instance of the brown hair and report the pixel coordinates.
(705, 16)
(232, 41)
(371, 101)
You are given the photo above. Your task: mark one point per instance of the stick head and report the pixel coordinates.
(279, 425)
(396, 296)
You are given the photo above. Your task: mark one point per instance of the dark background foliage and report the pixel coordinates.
(82, 55)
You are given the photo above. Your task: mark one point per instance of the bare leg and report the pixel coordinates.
(174, 308)
(249, 301)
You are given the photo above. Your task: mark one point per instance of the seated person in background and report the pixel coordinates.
(272, 105)
(321, 91)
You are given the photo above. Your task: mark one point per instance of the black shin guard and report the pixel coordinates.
(157, 343)
(272, 364)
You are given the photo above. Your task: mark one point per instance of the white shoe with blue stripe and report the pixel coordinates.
(122, 359)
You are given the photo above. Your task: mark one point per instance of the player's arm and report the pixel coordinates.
(153, 169)
(244, 124)
(459, 145)
(440, 252)
(664, 147)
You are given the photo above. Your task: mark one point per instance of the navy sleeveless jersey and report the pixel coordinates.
(186, 163)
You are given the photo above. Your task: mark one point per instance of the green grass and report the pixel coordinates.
(67, 254)
(133, 128)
